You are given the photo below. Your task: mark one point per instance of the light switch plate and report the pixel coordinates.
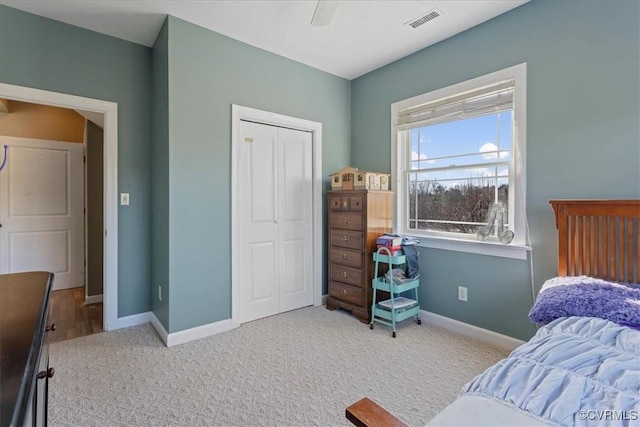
(124, 199)
(462, 293)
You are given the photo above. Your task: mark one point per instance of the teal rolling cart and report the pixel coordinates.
(396, 308)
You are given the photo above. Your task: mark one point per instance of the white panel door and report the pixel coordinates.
(258, 240)
(42, 209)
(275, 232)
(295, 219)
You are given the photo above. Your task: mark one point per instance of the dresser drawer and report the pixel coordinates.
(347, 239)
(344, 274)
(337, 203)
(346, 220)
(346, 293)
(343, 203)
(356, 202)
(346, 257)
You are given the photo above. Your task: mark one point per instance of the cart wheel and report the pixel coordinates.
(419, 321)
(370, 325)
(393, 334)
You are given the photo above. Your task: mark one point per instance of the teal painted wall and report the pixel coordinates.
(583, 139)
(208, 73)
(160, 176)
(582, 135)
(49, 55)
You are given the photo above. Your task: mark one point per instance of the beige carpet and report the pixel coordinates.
(299, 368)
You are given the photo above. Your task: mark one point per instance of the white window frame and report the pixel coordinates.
(517, 249)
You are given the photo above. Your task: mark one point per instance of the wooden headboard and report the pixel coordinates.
(599, 238)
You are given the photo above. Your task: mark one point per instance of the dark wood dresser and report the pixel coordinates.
(24, 352)
(356, 218)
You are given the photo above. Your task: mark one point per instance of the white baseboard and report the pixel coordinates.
(157, 325)
(127, 321)
(93, 299)
(499, 340)
(324, 299)
(187, 335)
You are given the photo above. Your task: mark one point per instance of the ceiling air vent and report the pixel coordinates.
(423, 19)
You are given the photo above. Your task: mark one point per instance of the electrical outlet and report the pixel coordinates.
(462, 293)
(159, 293)
(124, 199)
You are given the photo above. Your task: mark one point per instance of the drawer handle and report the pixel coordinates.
(345, 220)
(345, 293)
(51, 328)
(344, 274)
(345, 256)
(49, 373)
(345, 238)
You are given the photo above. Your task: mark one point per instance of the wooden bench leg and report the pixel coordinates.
(367, 413)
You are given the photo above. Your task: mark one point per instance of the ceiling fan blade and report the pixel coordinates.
(324, 12)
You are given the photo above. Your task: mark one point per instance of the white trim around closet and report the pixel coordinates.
(239, 113)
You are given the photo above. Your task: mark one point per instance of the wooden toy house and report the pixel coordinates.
(351, 178)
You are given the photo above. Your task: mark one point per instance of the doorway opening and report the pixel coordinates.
(107, 113)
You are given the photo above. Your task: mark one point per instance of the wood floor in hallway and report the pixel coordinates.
(71, 316)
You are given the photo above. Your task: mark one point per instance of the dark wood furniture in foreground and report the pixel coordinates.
(24, 353)
(367, 413)
(597, 238)
(356, 218)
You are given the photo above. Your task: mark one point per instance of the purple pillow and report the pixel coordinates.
(587, 297)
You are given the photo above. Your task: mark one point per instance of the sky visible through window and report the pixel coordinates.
(476, 141)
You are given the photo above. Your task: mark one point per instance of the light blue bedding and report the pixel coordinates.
(576, 371)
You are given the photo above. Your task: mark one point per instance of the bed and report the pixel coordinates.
(582, 367)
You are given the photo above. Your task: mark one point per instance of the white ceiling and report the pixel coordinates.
(363, 35)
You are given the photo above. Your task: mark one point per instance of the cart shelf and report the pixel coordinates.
(382, 284)
(395, 259)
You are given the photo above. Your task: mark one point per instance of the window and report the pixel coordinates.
(457, 152)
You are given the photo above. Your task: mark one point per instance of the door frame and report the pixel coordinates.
(239, 113)
(110, 240)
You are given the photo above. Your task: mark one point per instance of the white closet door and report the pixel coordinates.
(295, 219)
(41, 210)
(258, 240)
(274, 205)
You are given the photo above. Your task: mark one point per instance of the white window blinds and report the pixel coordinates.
(486, 100)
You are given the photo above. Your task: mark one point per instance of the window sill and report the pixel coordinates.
(489, 248)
